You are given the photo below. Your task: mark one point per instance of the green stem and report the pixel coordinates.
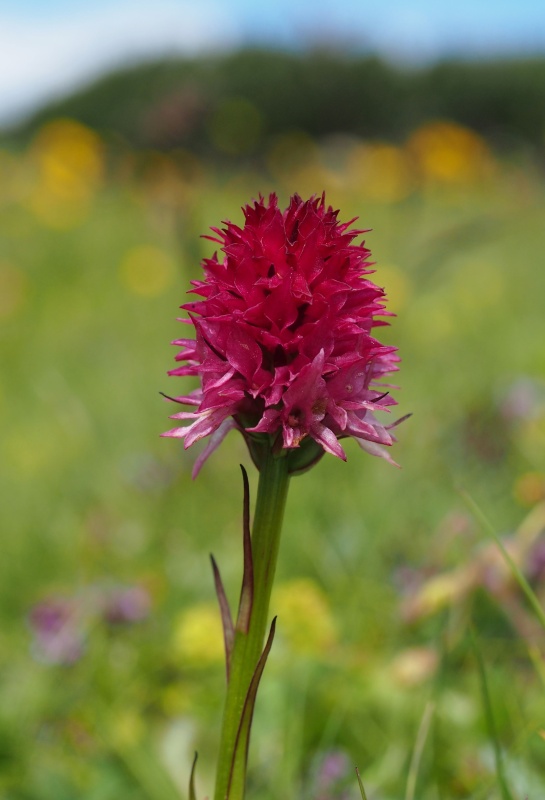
(248, 645)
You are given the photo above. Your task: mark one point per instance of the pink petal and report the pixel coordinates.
(328, 440)
(213, 443)
(376, 450)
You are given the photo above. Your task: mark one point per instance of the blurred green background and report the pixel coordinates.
(112, 665)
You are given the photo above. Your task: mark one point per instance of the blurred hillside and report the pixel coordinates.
(235, 105)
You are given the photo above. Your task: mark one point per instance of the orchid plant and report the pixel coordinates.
(284, 353)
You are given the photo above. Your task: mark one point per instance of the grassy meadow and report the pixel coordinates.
(405, 645)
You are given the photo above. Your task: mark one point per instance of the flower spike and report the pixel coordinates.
(284, 347)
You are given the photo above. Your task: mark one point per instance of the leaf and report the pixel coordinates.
(192, 795)
(226, 619)
(243, 733)
(247, 591)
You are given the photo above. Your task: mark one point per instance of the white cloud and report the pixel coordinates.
(45, 57)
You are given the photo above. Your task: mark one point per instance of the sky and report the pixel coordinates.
(50, 47)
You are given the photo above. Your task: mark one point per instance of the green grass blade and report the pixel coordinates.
(490, 724)
(416, 757)
(360, 784)
(521, 580)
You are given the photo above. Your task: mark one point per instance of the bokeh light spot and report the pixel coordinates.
(68, 163)
(198, 637)
(380, 171)
(307, 623)
(529, 488)
(414, 665)
(147, 270)
(446, 152)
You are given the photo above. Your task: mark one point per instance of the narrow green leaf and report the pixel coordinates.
(360, 784)
(226, 619)
(242, 743)
(490, 723)
(192, 795)
(247, 591)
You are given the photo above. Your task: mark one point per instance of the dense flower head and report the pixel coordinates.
(283, 346)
